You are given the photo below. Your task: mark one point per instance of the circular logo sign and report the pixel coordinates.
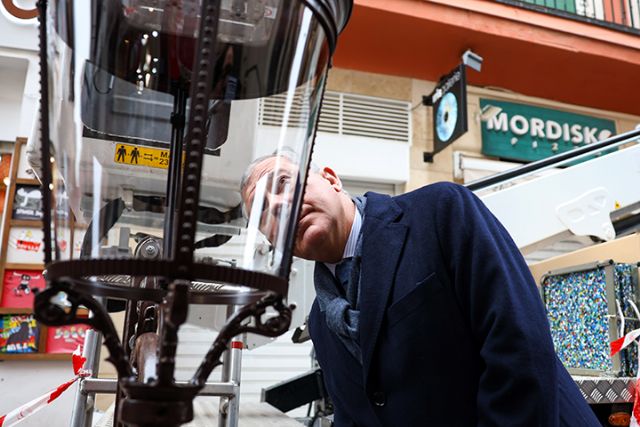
(446, 117)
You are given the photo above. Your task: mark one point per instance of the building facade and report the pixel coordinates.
(578, 57)
(561, 73)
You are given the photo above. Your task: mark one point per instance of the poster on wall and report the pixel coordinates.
(65, 339)
(19, 334)
(27, 203)
(19, 287)
(25, 246)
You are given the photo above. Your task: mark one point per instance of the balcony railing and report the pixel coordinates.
(618, 14)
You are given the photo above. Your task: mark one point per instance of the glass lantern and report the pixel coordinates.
(154, 115)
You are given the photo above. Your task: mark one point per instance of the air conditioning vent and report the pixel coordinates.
(273, 108)
(344, 114)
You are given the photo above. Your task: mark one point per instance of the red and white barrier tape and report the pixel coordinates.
(635, 413)
(618, 345)
(19, 414)
(623, 342)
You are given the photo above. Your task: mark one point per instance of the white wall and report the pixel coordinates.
(363, 159)
(19, 71)
(13, 71)
(18, 34)
(19, 92)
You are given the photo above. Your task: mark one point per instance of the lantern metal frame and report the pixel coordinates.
(161, 400)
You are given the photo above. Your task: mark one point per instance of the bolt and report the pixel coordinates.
(224, 407)
(150, 250)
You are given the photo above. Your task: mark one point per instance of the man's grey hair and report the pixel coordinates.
(288, 154)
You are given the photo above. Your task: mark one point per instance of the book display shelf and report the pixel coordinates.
(21, 266)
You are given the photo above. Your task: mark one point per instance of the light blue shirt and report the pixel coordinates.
(352, 241)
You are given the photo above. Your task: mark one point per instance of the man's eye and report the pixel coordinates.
(283, 182)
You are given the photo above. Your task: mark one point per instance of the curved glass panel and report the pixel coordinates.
(120, 75)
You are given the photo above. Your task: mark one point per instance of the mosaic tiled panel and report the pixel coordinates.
(626, 286)
(576, 305)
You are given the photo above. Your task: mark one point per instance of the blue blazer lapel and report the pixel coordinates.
(383, 239)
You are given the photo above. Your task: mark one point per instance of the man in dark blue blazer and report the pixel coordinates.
(437, 322)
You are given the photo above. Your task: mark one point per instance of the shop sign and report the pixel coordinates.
(19, 11)
(527, 133)
(449, 108)
(449, 102)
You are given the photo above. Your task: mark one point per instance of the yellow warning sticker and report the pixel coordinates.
(138, 155)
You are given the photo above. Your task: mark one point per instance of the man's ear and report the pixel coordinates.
(329, 174)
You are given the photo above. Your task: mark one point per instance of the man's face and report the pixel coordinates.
(316, 235)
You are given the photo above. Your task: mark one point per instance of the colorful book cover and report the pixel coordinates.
(25, 245)
(19, 334)
(65, 339)
(19, 287)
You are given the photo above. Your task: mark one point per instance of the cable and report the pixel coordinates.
(621, 315)
(419, 104)
(635, 308)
